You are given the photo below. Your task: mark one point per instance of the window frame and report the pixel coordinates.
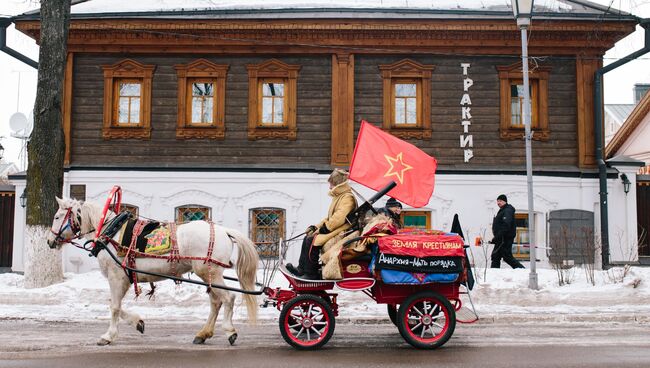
(126, 70)
(538, 77)
(409, 71)
(426, 214)
(272, 70)
(254, 229)
(260, 107)
(178, 212)
(201, 70)
(517, 245)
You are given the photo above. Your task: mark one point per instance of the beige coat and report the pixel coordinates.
(343, 202)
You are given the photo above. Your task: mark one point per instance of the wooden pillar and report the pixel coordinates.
(342, 109)
(585, 70)
(67, 106)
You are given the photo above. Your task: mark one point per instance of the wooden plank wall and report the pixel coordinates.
(312, 147)
(447, 90)
(314, 117)
(7, 202)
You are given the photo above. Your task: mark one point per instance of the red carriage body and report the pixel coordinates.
(423, 312)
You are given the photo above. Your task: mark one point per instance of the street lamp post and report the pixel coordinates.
(523, 9)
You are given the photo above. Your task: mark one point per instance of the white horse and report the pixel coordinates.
(76, 219)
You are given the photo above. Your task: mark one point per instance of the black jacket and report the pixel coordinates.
(503, 225)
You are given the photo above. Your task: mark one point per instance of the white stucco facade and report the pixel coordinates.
(303, 196)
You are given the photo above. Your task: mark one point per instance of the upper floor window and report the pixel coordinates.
(201, 100)
(407, 99)
(267, 229)
(512, 101)
(127, 100)
(192, 212)
(273, 103)
(272, 89)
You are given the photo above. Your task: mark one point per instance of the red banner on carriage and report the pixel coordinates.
(380, 157)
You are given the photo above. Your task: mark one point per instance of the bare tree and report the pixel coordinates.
(46, 146)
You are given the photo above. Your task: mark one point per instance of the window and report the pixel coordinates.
(127, 100)
(127, 207)
(521, 245)
(192, 212)
(416, 220)
(407, 99)
(272, 100)
(267, 229)
(201, 100)
(512, 101)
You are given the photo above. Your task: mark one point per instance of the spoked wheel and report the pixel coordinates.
(426, 320)
(392, 313)
(307, 322)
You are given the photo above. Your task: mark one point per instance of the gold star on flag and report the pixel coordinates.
(397, 167)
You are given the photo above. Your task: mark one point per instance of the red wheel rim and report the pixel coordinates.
(307, 323)
(426, 320)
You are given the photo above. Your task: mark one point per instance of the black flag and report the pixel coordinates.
(456, 228)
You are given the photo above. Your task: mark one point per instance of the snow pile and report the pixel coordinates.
(115, 6)
(498, 291)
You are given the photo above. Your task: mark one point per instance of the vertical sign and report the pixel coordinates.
(466, 139)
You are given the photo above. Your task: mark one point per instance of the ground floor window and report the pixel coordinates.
(267, 228)
(192, 212)
(521, 245)
(416, 220)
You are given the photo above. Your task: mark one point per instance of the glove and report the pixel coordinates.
(323, 230)
(310, 229)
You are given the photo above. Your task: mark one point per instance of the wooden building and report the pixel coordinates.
(237, 110)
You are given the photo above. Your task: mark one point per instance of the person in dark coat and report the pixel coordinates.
(393, 209)
(504, 229)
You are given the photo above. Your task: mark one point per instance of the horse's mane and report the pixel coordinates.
(90, 215)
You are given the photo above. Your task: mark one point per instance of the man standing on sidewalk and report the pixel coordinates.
(504, 230)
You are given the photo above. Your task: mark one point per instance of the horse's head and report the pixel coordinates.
(66, 224)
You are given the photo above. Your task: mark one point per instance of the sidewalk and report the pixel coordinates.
(502, 298)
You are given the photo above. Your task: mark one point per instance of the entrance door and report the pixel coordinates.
(643, 218)
(7, 201)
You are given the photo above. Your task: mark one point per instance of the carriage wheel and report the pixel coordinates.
(392, 313)
(426, 320)
(307, 322)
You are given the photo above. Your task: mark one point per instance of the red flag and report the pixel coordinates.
(380, 157)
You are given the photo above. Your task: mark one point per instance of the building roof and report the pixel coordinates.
(619, 112)
(333, 9)
(632, 123)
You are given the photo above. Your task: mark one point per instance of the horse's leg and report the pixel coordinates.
(207, 331)
(119, 285)
(228, 300)
(132, 319)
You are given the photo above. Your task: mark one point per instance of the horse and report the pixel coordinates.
(76, 219)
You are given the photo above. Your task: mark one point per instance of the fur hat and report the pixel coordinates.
(392, 202)
(338, 176)
(503, 198)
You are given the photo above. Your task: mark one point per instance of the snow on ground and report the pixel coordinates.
(498, 291)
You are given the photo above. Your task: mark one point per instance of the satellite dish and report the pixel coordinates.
(17, 122)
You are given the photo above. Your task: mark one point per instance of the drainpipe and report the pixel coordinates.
(4, 23)
(598, 118)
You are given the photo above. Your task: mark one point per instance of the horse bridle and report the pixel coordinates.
(68, 222)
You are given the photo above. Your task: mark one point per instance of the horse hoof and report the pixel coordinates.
(232, 339)
(103, 342)
(198, 340)
(140, 326)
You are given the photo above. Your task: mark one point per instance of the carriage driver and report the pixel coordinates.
(343, 202)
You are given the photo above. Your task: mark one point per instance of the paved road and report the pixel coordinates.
(25, 343)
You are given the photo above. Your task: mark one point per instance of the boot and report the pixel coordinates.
(294, 270)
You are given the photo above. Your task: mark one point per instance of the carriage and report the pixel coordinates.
(422, 305)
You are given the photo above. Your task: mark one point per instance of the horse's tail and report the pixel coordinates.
(247, 262)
